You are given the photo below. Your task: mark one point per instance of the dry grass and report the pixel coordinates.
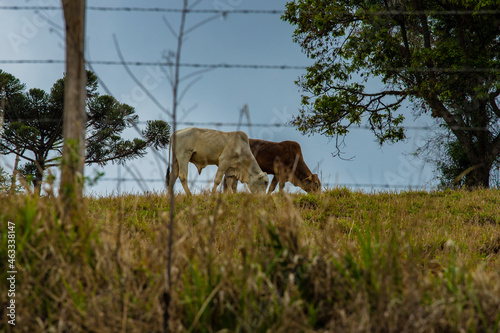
(341, 261)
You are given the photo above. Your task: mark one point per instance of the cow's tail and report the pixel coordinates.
(167, 177)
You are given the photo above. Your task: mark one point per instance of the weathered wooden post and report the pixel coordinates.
(2, 110)
(74, 119)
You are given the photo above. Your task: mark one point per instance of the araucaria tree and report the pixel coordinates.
(33, 126)
(442, 56)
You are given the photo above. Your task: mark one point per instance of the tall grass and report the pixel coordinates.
(340, 261)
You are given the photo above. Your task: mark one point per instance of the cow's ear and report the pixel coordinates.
(316, 178)
(307, 180)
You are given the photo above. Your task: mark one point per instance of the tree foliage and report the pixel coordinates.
(442, 56)
(4, 181)
(34, 120)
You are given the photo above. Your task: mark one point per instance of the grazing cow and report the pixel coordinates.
(283, 160)
(230, 151)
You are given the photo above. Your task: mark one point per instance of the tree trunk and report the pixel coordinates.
(479, 177)
(37, 181)
(2, 111)
(74, 118)
(13, 179)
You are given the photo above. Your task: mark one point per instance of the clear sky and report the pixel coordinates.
(217, 96)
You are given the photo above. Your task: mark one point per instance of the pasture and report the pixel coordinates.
(339, 261)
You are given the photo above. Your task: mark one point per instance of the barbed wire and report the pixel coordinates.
(153, 10)
(153, 63)
(265, 125)
(327, 185)
(238, 66)
(256, 11)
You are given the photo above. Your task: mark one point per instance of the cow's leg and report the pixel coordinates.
(218, 178)
(234, 185)
(175, 171)
(282, 179)
(274, 182)
(217, 181)
(221, 171)
(229, 183)
(279, 175)
(182, 173)
(225, 184)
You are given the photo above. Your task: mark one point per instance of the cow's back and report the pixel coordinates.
(271, 154)
(205, 146)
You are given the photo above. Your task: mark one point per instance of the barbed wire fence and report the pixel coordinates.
(135, 175)
(231, 10)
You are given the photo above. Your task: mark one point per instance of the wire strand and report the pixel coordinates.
(153, 63)
(329, 185)
(389, 12)
(238, 66)
(153, 10)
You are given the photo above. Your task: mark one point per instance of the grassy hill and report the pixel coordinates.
(340, 261)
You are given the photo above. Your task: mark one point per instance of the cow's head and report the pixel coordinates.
(258, 183)
(311, 184)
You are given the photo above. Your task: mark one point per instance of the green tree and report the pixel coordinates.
(34, 119)
(4, 181)
(442, 56)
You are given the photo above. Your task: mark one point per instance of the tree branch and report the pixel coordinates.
(12, 151)
(137, 81)
(201, 23)
(456, 126)
(495, 147)
(19, 141)
(493, 102)
(111, 158)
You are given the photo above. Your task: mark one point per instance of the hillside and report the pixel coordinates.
(340, 261)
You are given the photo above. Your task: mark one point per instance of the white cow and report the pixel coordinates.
(230, 151)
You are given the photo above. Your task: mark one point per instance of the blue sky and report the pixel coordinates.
(217, 96)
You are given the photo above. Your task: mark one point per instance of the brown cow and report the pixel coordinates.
(283, 160)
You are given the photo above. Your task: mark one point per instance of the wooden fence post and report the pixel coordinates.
(74, 119)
